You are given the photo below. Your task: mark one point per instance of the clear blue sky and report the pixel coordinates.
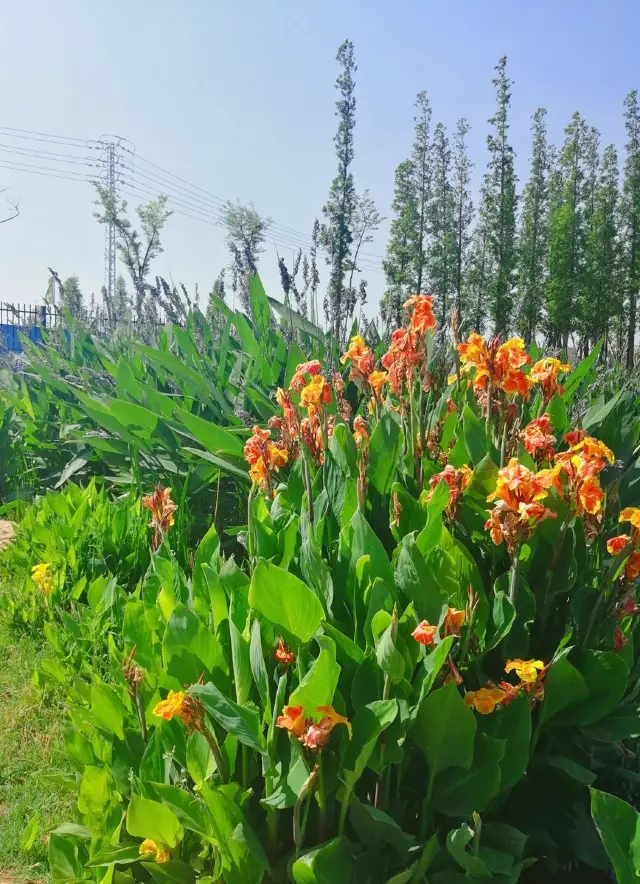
(238, 98)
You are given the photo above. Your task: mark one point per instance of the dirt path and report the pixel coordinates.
(6, 536)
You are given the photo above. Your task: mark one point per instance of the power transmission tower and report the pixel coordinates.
(113, 174)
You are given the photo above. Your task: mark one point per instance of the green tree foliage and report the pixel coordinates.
(71, 298)
(498, 207)
(246, 231)
(137, 248)
(441, 226)
(398, 263)
(462, 210)
(533, 233)
(422, 179)
(476, 304)
(565, 254)
(600, 301)
(337, 233)
(631, 219)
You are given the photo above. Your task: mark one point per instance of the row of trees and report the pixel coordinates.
(560, 260)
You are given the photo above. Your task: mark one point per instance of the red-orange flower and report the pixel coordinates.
(456, 479)
(360, 431)
(317, 735)
(424, 633)
(501, 364)
(575, 474)
(545, 372)
(452, 623)
(293, 720)
(162, 509)
(421, 316)
(484, 700)
(298, 380)
(283, 654)
(538, 438)
(517, 508)
(264, 457)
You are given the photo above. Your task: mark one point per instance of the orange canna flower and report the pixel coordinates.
(526, 670)
(186, 707)
(330, 715)
(360, 355)
(298, 380)
(160, 853)
(360, 433)
(574, 436)
(377, 380)
(594, 449)
(293, 720)
(632, 567)
(518, 509)
(283, 654)
(502, 364)
(545, 372)
(316, 393)
(456, 479)
(264, 457)
(631, 514)
(453, 621)
(424, 633)
(420, 308)
(485, 700)
(162, 509)
(538, 438)
(590, 495)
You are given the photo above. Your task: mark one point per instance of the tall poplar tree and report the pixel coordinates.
(631, 220)
(422, 176)
(480, 272)
(398, 262)
(498, 208)
(338, 210)
(440, 225)
(463, 211)
(532, 241)
(600, 296)
(565, 254)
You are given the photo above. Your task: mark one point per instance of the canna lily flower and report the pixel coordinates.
(526, 670)
(360, 355)
(538, 438)
(162, 509)
(293, 720)
(575, 474)
(485, 700)
(545, 372)
(42, 578)
(377, 380)
(631, 514)
(456, 479)
(453, 621)
(283, 654)
(574, 436)
(186, 707)
(420, 308)
(316, 393)
(360, 433)
(159, 852)
(502, 365)
(619, 639)
(424, 633)
(632, 568)
(517, 509)
(264, 457)
(298, 381)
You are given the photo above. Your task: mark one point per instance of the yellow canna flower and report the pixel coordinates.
(526, 670)
(485, 700)
(159, 852)
(41, 577)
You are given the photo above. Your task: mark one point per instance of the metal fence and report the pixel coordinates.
(31, 320)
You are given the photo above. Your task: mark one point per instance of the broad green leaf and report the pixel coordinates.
(67, 857)
(474, 436)
(243, 859)
(572, 768)
(200, 761)
(416, 579)
(241, 664)
(512, 724)
(563, 686)
(134, 416)
(622, 724)
(460, 792)
(605, 675)
(369, 722)
(107, 709)
(96, 789)
(580, 372)
(374, 828)
(503, 616)
(208, 548)
(215, 439)
(457, 842)
(28, 837)
(151, 819)
(330, 863)
(285, 600)
(172, 872)
(389, 658)
(242, 722)
(137, 633)
(445, 729)
(189, 648)
(260, 310)
(259, 669)
(557, 411)
(319, 684)
(384, 449)
(433, 663)
(191, 812)
(116, 855)
(618, 825)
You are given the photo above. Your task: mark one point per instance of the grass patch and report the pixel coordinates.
(30, 745)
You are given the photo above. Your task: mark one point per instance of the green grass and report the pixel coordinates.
(30, 745)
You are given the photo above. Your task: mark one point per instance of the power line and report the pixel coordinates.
(45, 134)
(48, 155)
(43, 170)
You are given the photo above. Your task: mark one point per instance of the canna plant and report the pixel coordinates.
(424, 659)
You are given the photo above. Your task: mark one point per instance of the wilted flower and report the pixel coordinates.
(360, 433)
(452, 623)
(313, 735)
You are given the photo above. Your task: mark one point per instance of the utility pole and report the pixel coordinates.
(115, 171)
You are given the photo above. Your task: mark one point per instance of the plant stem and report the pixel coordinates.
(250, 546)
(503, 445)
(321, 801)
(306, 789)
(140, 711)
(489, 398)
(515, 574)
(307, 482)
(217, 754)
